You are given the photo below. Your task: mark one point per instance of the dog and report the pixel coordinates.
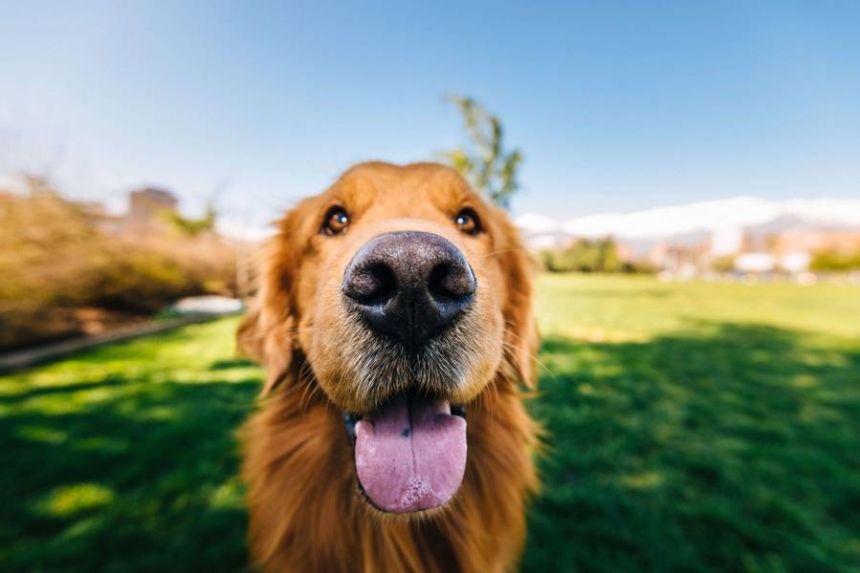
(395, 326)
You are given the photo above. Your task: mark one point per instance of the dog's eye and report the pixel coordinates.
(336, 221)
(468, 222)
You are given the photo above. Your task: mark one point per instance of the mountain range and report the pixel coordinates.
(702, 218)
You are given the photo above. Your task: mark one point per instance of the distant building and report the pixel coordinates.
(148, 210)
(761, 263)
(146, 213)
(756, 263)
(792, 251)
(768, 240)
(795, 262)
(756, 242)
(624, 252)
(814, 241)
(149, 203)
(684, 260)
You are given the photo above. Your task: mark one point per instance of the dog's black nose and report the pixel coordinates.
(410, 286)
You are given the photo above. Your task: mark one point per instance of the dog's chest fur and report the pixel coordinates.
(307, 515)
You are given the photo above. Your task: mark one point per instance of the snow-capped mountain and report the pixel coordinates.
(700, 217)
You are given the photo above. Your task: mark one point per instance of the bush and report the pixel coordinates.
(723, 264)
(835, 261)
(54, 261)
(597, 256)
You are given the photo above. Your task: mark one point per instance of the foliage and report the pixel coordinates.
(599, 255)
(723, 264)
(835, 261)
(690, 427)
(54, 260)
(487, 165)
(191, 226)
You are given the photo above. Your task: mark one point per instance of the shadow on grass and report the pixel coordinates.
(230, 364)
(130, 475)
(737, 448)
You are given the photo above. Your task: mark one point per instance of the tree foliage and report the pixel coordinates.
(191, 226)
(835, 261)
(485, 162)
(590, 256)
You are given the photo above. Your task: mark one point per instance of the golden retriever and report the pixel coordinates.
(395, 326)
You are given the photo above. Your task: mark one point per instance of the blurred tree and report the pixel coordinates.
(194, 227)
(835, 261)
(595, 256)
(205, 224)
(723, 264)
(607, 256)
(484, 162)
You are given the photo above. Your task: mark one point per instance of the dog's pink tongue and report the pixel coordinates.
(411, 455)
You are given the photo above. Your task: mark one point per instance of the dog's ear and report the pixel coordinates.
(521, 333)
(267, 332)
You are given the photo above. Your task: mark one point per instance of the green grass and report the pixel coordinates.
(696, 426)
(125, 458)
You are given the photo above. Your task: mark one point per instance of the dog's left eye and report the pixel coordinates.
(468, 222)
(336, 221)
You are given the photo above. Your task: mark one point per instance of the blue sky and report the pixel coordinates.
(617, 105)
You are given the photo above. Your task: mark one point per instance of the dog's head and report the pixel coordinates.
(402, 296)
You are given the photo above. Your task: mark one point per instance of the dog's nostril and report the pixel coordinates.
(373, 284)
(451, 281)
(409, 286)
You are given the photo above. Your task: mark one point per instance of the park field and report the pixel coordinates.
(689, 427)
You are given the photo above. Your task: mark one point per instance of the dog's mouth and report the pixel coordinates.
(410, 454)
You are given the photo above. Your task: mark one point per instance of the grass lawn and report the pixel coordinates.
(690, 427)
(125, 458)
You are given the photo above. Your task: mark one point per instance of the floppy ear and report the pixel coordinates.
(266, 334)
(521, 333)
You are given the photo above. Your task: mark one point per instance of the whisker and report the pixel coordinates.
(508, 250)
(533, 357)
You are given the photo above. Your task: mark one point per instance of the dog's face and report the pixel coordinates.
(405, 295)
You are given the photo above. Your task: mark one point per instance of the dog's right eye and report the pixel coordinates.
(336, 221)
(468, 222)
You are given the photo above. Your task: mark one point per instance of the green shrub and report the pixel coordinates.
(590, 256)
(835, 261)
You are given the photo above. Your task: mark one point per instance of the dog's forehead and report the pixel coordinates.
(411, 189)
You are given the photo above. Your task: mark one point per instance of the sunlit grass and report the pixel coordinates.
(66, 501)
(636, 308)
(694, 427)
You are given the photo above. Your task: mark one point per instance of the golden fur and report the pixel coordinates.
(306, 512)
